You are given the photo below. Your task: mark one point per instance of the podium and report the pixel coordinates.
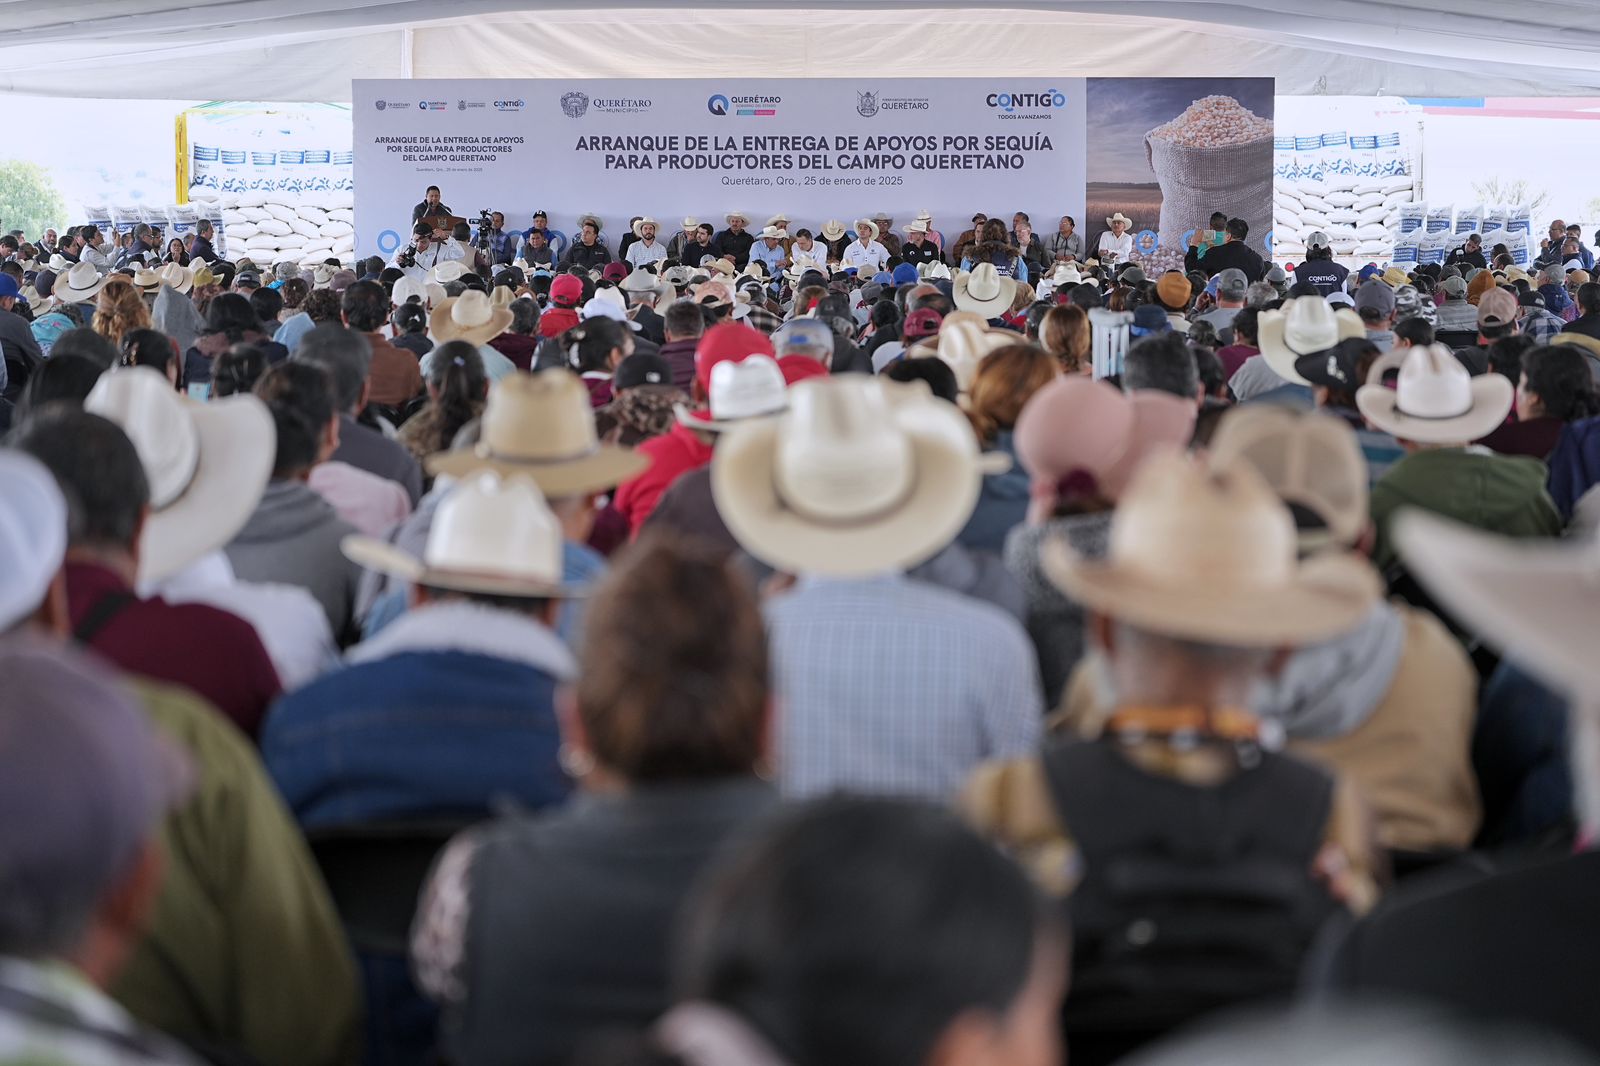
(442, 221)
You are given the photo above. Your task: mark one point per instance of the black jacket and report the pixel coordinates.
(1235, 254)
(926, 252)
(737, 245)
(586, 256)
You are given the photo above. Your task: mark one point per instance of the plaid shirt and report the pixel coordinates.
(1541, 325)
(892, 685)
(762, 319)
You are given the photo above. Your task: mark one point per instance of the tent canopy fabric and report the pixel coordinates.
(310, 49)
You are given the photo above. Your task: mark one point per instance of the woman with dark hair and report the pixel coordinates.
(64, 377)
(536, 931)
(230, 319)
(457, 390)
(995, 247)
(1004, 382)
(410, 321)
(294, 293)
(151, 348)
(594, 347)
(176, 253)
(864, 930)
(883, 326)
(1554, 388)
(237, 370)
(521, 339)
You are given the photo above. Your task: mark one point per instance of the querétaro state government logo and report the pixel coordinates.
(866, 104)
(575, 105)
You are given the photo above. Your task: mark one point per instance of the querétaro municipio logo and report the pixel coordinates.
(866, 104)
(575, 104)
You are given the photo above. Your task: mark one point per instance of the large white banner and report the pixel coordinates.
(813, 149)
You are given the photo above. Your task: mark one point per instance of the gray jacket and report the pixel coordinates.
(293, 538)
(1054, 622)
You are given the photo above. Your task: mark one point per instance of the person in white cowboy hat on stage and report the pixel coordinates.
(419, 258)
(736, 241)
(1304, 326)
(771, 250)
(1116, 243)
(865, 254)
(1201, 596)
(886, 235)
(917, 248)
(680, 241)
(889, 685)
(646, 250)
(836, 238)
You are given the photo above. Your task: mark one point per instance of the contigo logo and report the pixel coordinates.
(1009, 102)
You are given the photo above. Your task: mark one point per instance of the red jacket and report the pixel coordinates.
(671, 455)
(557, 320)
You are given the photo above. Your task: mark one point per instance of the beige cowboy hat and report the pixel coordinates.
(721, 265)
(598, 225)
(322, 277)
(870, 226)
(1435, 400)
(207, 463)
(775, 220)
(914, 227)
(1304, 327)
(1120, 217)
(860, 475)
(541, 425)
(833, 229)
(642, 223)
(502, 296)
(58, 264)
(924, 217)
(690, 223)
(984, 291)
(435, 293)
(1210, 554)
(774, 233)
(469, 317)
(882, 216)
(754, 269)
(731, 215)
(146, 280)
(492, 536)
(716, 292)
(752, 387)
(639, 280)
(1534, 599)
(933, 270)
(82, 282)
(179, 278)
(407, 287)
(802, 263)
(446, 272)
(963, 340)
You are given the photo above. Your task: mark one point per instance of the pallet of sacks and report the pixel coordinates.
(271, 226)
(1358, 213)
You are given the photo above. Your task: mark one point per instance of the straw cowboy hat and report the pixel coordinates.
(933, 270)
(1120, 217)
(755, 269)
(752, 387)
(775, 220)
(58, 264)
(435, 294)
(1303, 327)
(1435, 400)
(322, 276)
(639, 280)
(502, 296)
(924, 216)
(492, 536)
(731, 215)
(860, 475)
(1534, 599)
(146, 280)
(914, 227)
(598, 226)
(82, 282)
(774, 233)
(963, 342)
(1211, 555)
(642, 223)
(1394, 277)
(690, 223)
(1065, 274)
(870, 226)
(207, 463)
(801, 264)
(445, 272)
(833, 229)
(541, 426)
(984, 291)
(469, 317)
(179, 278)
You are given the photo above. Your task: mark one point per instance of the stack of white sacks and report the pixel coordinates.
(282, 227)
(1360, 214)
(1426, 233)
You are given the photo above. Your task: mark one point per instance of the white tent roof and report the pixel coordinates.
(310, 49)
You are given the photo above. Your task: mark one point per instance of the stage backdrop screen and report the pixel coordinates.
(814, 149)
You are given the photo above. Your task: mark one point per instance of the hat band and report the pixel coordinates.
(1399, 410)
(483, 452)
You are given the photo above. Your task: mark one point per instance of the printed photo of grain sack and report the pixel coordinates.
(1167, 153)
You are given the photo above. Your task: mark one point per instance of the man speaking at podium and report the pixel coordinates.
(429, 206)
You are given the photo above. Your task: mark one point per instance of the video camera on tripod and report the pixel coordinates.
(485, 224)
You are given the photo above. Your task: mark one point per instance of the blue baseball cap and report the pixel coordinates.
(883, 277)
(1368, 271)
(905, 274)
(9, 287)
(811, 333)
(1148, 319)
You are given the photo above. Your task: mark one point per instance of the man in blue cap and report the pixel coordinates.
(17, 345)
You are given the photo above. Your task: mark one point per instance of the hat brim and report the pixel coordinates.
(696, 420)
(384, 558)
(833, 234)
(1330, 594)
(236, 439)
(991, 308)
(1282, 358)
(944, 493)
(607, 466)
(68, 295)
(445, 328)
(736, 215)
(1492, 398)
(1531, 599)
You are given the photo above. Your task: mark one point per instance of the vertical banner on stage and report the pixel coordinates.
(1168, 152)
(812, 149)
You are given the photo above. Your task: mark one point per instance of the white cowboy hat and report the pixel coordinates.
(322, 276)
(984, 291)
(691, 223)
(639, 280)
(146, 280)
(677, 275)
(58, 264)
(775, 219)
(489, 536)
(1211, 555)
(924, 216)
(914, 227)
(934, 269)
(754, 269)
(642, 223)
(448, 271)
(609, 303)
(860, 475)
(1303, 327)
(1532, 598)
(435, 293)
(82, 282)
(469, 317)
(801, 264)
(883, 216)
(1436, 401)
(1066, 274)
(774, 233)
(541, 425)
(870, 226)
(731, 215)
(407, 287)
(833, 229)
(752, 387)
(964, 339)
(179, 278)
(1120, 217)
(590, 218)
(207, 463)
